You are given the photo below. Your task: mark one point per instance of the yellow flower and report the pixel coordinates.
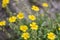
(23, 28)
(4, 3)
(12, 19)
(2, 23)
(45, 5)
(32, 17)
(25, 35)
(35, 8)
(20, 15)
(59, 28)
(51, 36)
(34, 26)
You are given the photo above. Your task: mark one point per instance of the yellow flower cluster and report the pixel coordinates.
(32, 17)
(34, 26)
(2, 23)
(35, 8)
(51, 36)
(12, 19)
(25, 35)
(45, 5)
(20, 15)
(4, 3)
(23, 28)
